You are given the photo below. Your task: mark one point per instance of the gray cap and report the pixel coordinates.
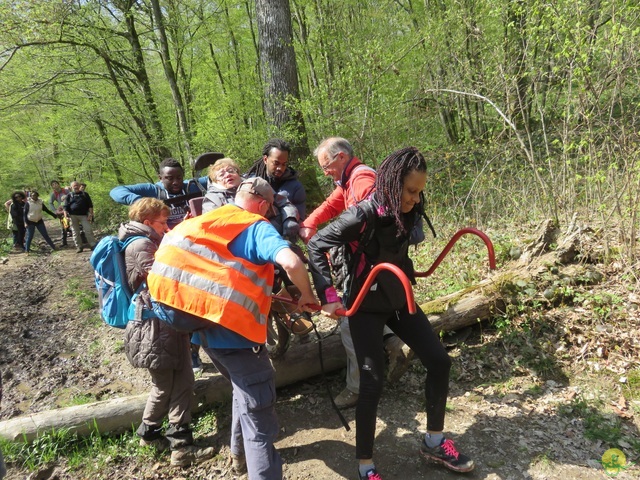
(257, 186)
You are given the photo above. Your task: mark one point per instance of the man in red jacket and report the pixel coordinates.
(354, 182)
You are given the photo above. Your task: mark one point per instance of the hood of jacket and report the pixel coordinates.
(288, 175)
(132, 228)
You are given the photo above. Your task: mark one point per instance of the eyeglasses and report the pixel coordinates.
(161, 222)
(227, 171)
(325, 168)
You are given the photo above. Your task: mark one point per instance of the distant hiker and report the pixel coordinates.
(171, 184)
(229, 254)
(397, 202)
(16, 213)
(152, 344)
(78, 208)
(32, 219)
(56, 204)
(354, 182)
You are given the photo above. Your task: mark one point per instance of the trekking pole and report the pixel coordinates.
(454, 239)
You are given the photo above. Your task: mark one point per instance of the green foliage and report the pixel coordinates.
(524, 110)
(598, 425)
(56, 444)
(631, 388)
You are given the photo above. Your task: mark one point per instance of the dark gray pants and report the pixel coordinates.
(254, 424)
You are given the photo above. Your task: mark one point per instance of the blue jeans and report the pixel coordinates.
(31, 226)
(254, 423)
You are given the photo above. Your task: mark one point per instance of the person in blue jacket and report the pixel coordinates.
(171, 184)
(273, 167)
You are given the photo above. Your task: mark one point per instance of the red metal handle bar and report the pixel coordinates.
(408, 291)
(454, 239)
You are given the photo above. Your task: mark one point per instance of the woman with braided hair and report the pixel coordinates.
(393, 210)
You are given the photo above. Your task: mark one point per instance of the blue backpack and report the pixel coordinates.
(114, 293)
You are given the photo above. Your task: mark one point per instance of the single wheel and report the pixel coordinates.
(278, 336)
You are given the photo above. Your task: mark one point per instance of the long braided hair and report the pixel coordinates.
(390, 182)
(259, 168)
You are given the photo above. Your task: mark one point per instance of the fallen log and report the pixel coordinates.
(449, 313)
(300, 362)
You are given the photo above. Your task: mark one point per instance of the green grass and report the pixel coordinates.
(631, 389)
(82, 399)
(599, 425)
(58, 444)
(87, 300)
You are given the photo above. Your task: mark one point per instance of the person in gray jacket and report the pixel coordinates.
(224, 178)
(153, 344)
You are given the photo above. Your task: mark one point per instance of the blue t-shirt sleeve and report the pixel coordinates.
(260, 243)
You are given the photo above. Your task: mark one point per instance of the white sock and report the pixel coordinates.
(364, 468)
(433, 439)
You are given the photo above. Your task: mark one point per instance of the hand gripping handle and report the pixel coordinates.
(408, 291)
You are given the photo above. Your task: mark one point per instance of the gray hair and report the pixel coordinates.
(333, 146)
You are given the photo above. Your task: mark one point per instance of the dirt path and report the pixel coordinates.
(53, 353)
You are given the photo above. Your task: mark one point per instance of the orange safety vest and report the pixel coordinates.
(195, 272)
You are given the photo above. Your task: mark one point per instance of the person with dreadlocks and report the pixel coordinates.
(397, 202)
(354, 182)
(273, 167)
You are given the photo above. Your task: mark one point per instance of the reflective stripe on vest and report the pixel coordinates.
(195, 272)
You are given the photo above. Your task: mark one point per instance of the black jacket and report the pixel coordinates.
(78, 203)
(387, 293)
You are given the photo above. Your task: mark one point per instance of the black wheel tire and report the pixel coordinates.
(278, 337)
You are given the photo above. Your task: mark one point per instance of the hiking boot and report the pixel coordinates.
(447, 455)
(160, 444)
(185, 456)
(346, 399)
(370, 475)
(79, 250)
(196, 363)
(298, 324)
(400, 356)
(239, 464)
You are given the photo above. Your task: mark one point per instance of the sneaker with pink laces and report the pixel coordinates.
(370, 475)
(447, 455)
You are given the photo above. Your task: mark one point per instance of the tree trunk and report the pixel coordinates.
(279, 69)
(97, 119)
(170, 75)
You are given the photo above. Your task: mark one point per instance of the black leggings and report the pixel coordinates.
(414, 330)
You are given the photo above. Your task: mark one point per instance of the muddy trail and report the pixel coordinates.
(55, 352)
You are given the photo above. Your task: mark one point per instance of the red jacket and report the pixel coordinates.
(358, 181)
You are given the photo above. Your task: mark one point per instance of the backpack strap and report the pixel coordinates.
(367, 207)
(122, 267)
